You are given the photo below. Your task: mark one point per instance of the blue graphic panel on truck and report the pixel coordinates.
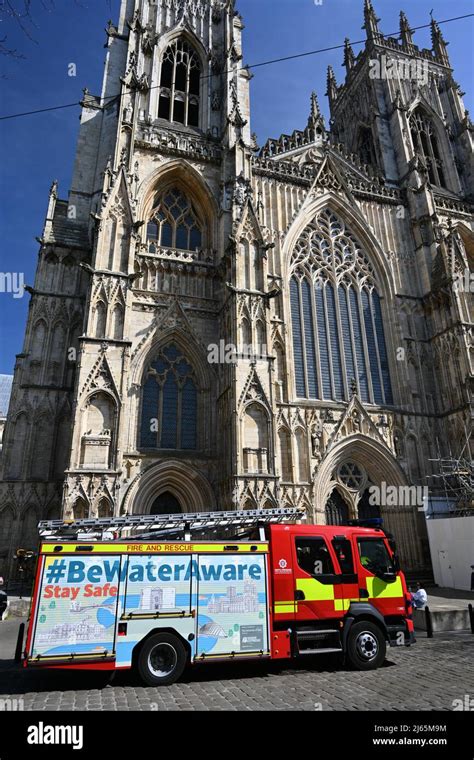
(232, 605)
(77, 606)
(159, 584)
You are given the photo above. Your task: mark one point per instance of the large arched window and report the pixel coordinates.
(180, 84)
(174, 223)
(425, 144)
(169, 403)
(338, 336)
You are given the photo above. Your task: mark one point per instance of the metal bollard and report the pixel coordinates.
(19, 642)
(429, 623)
(471, 616)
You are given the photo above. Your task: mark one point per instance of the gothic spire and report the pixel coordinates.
(315, 112)
(331, 91)
(370, 20)
(315, 117)
(349, 56)
(439, 43)
(405, 32)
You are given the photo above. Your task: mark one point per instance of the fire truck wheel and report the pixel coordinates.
(366, 646)
(162, 659)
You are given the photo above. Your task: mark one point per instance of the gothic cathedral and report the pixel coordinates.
(215, 325)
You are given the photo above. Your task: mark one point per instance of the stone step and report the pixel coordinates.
(17, 608)
(443, 620)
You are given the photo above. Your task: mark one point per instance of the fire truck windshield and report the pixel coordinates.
(375, 557)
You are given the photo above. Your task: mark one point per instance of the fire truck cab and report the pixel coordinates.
(337, 588)
(161, 592)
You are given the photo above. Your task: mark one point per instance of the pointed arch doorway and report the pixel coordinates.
(166, 504)
(360, 467)
(167, 487)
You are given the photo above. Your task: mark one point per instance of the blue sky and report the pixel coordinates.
(37, 149)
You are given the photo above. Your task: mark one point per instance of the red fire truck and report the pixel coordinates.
(159, 592)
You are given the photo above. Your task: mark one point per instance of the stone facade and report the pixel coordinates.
(180, 238)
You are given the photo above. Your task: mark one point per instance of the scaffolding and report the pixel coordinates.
(454, 479)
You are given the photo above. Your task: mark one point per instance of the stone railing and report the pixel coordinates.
(450, 204)
(177, 143)
(284, 169)
(199, 256)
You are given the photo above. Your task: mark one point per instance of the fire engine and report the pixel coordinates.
(159, 592)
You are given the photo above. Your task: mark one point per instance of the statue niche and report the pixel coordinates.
(98, 432)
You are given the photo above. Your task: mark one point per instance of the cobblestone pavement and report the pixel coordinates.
(428, 676)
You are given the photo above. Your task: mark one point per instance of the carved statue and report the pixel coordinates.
(398, 444)
(317, 441)
(316, 444)
(242, 190)
(216, 100)
(128, 113)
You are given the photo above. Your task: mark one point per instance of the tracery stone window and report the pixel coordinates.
(180, 83)
(169, 402)
(174, 223)
(425, 144)
(338, 335)
(351, 475)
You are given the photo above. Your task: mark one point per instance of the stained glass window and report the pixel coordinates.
(180, 84)
(169, 403)
(174, 223)
(338, 336)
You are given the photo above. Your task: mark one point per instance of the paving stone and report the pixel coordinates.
(428, 676)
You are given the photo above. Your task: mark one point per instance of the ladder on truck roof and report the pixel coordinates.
(240, 521)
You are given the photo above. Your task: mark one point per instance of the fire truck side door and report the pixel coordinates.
(377, 575)
(281, 568)
(350, 591)
(315, 578)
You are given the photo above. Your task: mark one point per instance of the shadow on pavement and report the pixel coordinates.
(15, 679)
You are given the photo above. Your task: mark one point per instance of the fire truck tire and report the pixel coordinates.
(162, 659)
(366, 646)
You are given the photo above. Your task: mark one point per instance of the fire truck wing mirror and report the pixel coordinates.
(383, 573)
